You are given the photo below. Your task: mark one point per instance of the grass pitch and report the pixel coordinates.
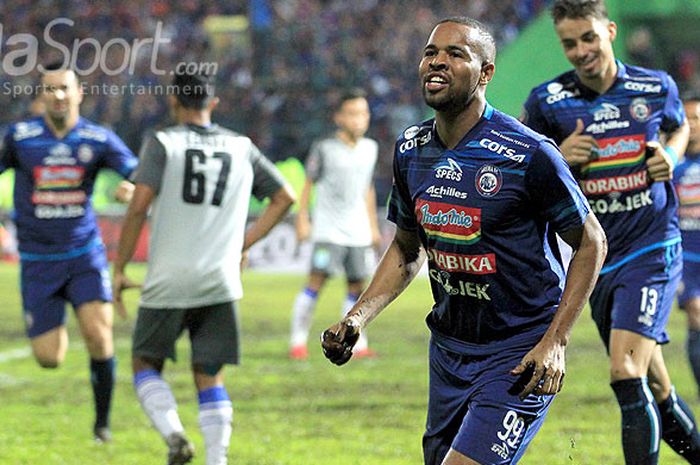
(304, 413)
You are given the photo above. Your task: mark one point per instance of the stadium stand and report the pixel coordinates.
(278, 90)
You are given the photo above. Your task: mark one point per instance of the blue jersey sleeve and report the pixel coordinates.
(400, 211)
(118, 156)
(553, 190)
(7, 153)
(533, 117)
(673, 115)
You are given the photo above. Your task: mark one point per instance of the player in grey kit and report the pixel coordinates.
(198, 177)
(344, 225)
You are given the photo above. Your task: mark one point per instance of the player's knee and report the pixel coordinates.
(98, 341)
(207, 369)
(48, 361)
(626, 369)
(139, 364)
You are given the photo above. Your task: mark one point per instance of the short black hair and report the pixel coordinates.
(193, 90)
(578, 9)
(487, 44)
(350, 94)
(57, 66)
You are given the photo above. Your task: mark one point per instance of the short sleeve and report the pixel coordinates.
(267, 179)
(553, 191)
(401, 211)
(533, 117)
(314, 162)
(8, 158)
(119, 157)
(151, 165)
(673, 115)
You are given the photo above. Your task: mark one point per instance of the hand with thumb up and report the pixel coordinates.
(659, 162)
(578, 148)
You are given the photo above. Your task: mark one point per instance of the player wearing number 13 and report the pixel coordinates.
(199, 178)
(609, 120)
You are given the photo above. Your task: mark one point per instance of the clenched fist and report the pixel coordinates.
(338, 340)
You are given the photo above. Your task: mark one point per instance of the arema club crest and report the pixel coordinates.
(488, 180)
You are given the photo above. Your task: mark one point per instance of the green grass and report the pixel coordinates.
(367, 412)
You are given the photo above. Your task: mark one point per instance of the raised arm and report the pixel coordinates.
(397, 268)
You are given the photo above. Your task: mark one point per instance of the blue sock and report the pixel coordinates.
(694, 353)
(679, 429)
(310, 292)
(102, 380)
(640, 421)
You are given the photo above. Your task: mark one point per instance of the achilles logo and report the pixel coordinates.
(604, 126)
(442, 191)
(471, 264)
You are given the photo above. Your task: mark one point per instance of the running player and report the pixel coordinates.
(607, 118)
(477, 193)
(344, 226)
(198, 176)
(686, 179)
(56, 158)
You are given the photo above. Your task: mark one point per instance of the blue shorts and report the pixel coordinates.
(690, 286)
(638, 296)
(474, 407)
(47, 285)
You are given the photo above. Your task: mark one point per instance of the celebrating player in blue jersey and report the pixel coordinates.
(620, 128)
(478, 193)
(686, 179)
(56, 160)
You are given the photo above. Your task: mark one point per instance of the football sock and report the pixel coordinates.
(640, 421)
(694, 353)
(679, 429)
(102, 380)
(215, 417)
(302, 312)
(158, 402)
(347, 306)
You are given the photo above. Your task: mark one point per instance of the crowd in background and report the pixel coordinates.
(275, 82)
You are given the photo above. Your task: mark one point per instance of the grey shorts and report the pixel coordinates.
(330, 259)
(213, 333)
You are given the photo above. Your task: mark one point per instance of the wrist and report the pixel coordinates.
(673, 155)
(355, 319)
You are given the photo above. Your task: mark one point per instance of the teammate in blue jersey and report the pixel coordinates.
(620, 128)
(56, 159)
(686, 179)
(478, 193)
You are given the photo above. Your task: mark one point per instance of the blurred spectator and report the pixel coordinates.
(276, 84)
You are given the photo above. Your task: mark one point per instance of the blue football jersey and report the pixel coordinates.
(637, 215)
(484, 211)
(54, 179)
(686, 179)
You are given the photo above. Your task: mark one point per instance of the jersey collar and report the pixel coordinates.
(587, 92)
(485, 116)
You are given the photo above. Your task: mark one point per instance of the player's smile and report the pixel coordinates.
(435, 82)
